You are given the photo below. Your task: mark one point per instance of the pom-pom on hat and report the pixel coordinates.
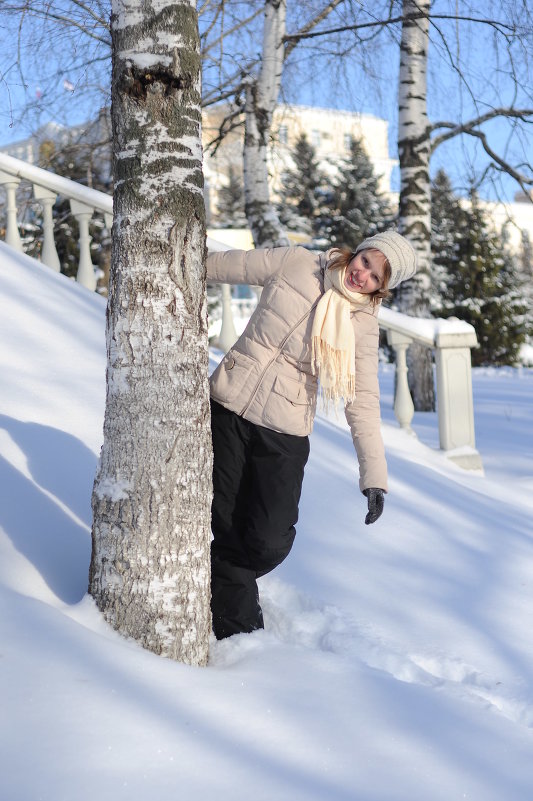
(398, 250)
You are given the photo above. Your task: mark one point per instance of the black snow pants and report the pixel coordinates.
(257, 481)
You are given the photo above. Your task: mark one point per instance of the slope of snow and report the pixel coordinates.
(397, 660)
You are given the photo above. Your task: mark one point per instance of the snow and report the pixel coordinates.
(397, 659)
(427, 331)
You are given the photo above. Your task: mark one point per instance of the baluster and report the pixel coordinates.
(86, 271)
(403, 403)
(454, 397)
(10, 183)
(47, 198)
(228, 334)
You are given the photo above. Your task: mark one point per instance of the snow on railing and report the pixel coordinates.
(84, 202)
(451, 340)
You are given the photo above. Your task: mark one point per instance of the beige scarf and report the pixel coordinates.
(333, 339)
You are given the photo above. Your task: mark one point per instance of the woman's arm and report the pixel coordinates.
(246, 266)
(363, 414)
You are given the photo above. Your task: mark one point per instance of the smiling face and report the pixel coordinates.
(365, 272)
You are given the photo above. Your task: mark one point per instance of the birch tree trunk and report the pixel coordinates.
(415, 193)
(150, 567)
(261, 96)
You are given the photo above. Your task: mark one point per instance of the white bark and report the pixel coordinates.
(152, 495)
(415, 194)
(261, 96)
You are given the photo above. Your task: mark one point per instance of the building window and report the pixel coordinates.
(315, 138)
(348, 141)
(283, 135)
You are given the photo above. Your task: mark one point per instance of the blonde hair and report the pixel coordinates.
(341, 257)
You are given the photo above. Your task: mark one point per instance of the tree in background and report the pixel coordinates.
(303, 190)
(151, 534)
(526, 260)
(261, 87)
(449, 226)
(418, 139)
(358, 208)
(230, 202)
(478, 279)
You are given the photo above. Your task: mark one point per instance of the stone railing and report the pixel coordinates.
(451, 340)
(84, 202)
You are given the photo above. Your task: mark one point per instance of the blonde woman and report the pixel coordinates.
(315, 326)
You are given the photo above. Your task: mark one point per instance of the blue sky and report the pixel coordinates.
(364, 78)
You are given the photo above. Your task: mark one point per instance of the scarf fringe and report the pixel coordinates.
(337, 379)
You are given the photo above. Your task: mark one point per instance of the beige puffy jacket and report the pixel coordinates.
(266, 376)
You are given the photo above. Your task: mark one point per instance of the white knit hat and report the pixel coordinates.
(398, 250)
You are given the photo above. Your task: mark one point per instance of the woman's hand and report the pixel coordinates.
(376, 499)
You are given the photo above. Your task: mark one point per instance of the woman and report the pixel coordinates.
(316, 321)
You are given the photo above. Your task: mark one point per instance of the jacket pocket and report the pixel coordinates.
(231, 376)
(290, 406)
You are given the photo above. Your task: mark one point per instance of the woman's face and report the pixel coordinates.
(365, 272)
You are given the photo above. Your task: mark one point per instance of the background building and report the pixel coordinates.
(330, 132)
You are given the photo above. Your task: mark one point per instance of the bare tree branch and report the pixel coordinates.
(103, 21)
(227, 33)
(45, 13)
(468, 127)
(523, 180)
(231, 122)
(290, 45)
(499, 26)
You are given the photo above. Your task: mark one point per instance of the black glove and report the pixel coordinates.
(376, 499)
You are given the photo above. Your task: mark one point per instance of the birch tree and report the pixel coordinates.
(261, 97)
(414, 217)
(149, 572)
(418, 139)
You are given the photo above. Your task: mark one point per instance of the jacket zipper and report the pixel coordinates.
(273, 359)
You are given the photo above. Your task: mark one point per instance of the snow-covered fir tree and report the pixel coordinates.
(449, 223)
(526, 260)
(358, 207)
(303, 189)
(478, 276)
(230, 202)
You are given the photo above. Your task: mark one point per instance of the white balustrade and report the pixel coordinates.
(84, 201)
(10, 184)
(47, 198)
(452, 341)
(86, 271)
(454, 396)
(404, 408)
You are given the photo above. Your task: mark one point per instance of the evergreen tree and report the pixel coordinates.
(230, 202)
(303, 189)
(527, 274)
(478, 276)
(358, 207)
(449, 223)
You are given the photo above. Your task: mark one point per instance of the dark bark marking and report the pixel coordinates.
(136, 83)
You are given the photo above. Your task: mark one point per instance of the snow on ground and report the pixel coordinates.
(397, 660)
